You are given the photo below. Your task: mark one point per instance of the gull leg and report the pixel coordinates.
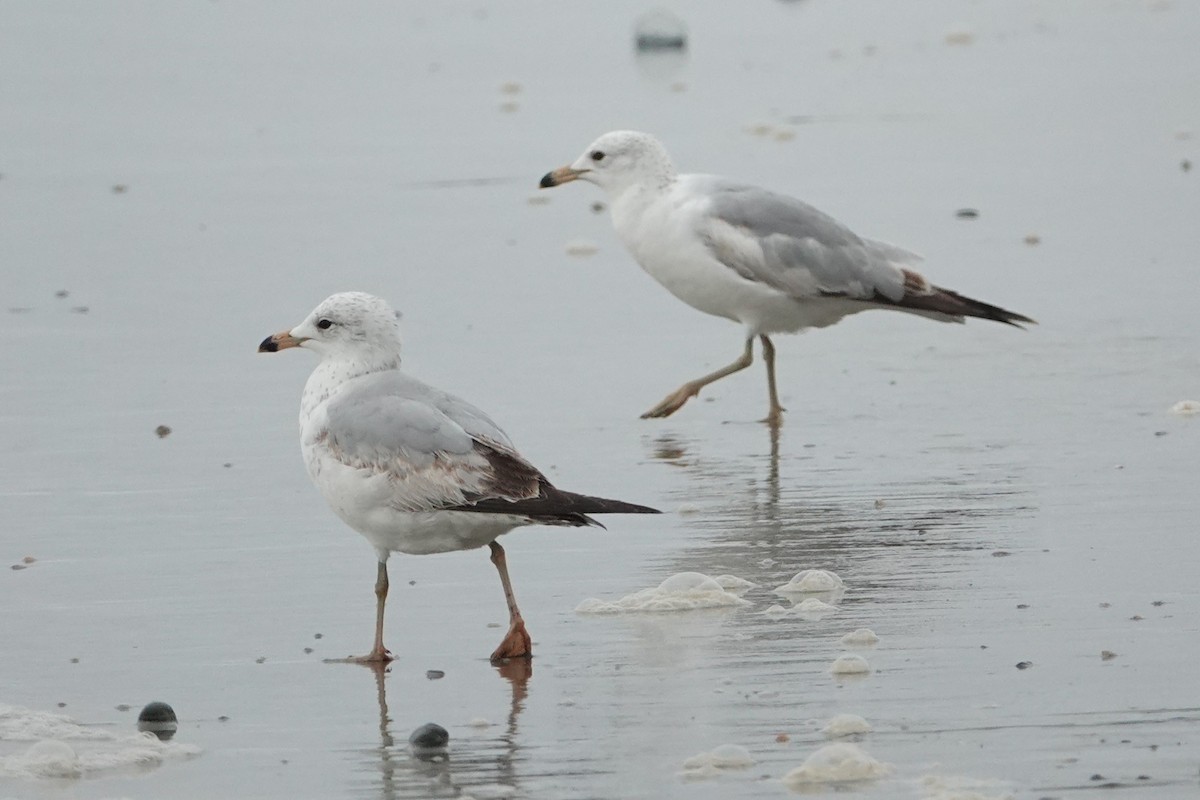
(517, 643)
(379, 654)
(775, 415)
(675, 400)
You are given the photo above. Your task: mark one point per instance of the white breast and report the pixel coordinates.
(365, 500)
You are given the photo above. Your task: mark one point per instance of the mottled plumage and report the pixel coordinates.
(414, 469)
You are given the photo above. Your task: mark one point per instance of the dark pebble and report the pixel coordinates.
(1024, 664)
(434, 674)
(163, 431)
(429, 736)
(967, 213)
(158, 718)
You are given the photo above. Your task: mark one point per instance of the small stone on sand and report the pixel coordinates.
(429, 736)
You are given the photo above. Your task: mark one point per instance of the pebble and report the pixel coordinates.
(429, 736)
(158, 718)
(659, 30)
(960, 37)
(967, 213)
(163, 431)
(582, 247)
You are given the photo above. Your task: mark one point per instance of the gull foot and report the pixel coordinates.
(672, 402)
(516, 644)
(380, 656)
(775, 418)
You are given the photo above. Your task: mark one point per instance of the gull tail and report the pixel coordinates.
(949, 302)
(921, 297)
(553, 506)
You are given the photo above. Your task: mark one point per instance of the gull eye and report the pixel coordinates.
(324, 324)
(597, 155)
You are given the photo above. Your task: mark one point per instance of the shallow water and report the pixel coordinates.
(989, 497)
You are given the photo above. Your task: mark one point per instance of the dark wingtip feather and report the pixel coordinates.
(950, 302)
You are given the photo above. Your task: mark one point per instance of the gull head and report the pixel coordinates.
(617, 161)
(351, 325)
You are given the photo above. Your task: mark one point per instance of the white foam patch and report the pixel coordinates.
(849, 665)
(813, 608)
(49, 758)
(812, 581)
(732, 583)
(711, 764)
(683, 592)
(836, 763)
(54, 758)
(863, 637)
(845, 725)
(952, 787)
(27, 725)
(1186, 408)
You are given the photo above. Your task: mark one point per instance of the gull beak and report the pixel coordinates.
(280, 341)
(560, 176)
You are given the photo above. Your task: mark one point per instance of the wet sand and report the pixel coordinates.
(991, 498)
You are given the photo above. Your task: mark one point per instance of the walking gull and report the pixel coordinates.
(765, 260)
(413, 469)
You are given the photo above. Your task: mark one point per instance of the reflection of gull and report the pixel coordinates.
(401, 770)
(412, 468)
(767, 261)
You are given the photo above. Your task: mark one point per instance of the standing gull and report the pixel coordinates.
(765, 260)
(410, 467)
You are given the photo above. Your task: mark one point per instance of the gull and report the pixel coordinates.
(767, 261)
(412, 468)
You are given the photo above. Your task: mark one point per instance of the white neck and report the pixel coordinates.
(334, 371)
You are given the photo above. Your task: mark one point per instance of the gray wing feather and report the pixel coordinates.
(438, 449)
(791, 246)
